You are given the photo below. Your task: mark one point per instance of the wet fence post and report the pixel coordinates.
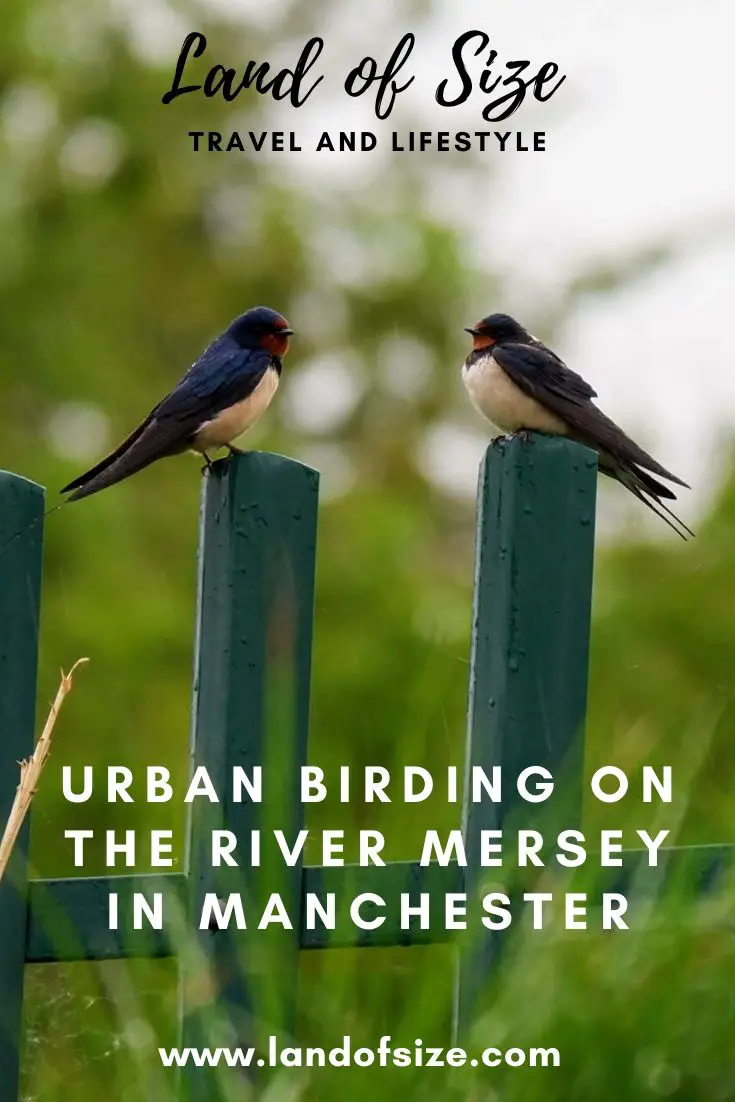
(21, 511)
(251, 710)
(530, 647)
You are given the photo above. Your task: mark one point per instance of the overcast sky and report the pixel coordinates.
(639, 145)
(643, 150)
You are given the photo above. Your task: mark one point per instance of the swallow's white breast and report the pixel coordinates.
(498, 398)
(233, 422)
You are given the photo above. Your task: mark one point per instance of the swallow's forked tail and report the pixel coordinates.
(624, 460)
(29, 527)
(126, 459)
(650, 491)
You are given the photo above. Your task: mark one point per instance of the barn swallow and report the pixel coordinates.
(520, 385)
(222, 394)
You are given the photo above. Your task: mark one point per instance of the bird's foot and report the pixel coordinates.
(233, 450)
(208, 464)
(505, 438)
(524, 435)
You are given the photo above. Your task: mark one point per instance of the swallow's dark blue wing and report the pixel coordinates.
(538, 372)
(224, 374)
(542, 375)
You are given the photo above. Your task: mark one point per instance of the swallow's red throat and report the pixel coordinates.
(276, 344)
(480, 340)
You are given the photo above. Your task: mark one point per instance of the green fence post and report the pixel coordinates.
(251, 708)
(530, 647)
(21, 507)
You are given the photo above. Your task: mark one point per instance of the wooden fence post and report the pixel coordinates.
(21, 505)
(530, 646)
(251, 708)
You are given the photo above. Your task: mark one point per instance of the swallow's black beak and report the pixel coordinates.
(285, 332)
(473, 332)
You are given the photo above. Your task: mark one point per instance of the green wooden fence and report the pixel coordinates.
(527, 694)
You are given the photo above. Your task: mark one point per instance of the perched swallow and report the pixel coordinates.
(221, 395)
(520, 385)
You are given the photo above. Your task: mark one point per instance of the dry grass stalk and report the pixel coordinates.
(31, 769)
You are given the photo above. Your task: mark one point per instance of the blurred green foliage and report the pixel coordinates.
(123, 253)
